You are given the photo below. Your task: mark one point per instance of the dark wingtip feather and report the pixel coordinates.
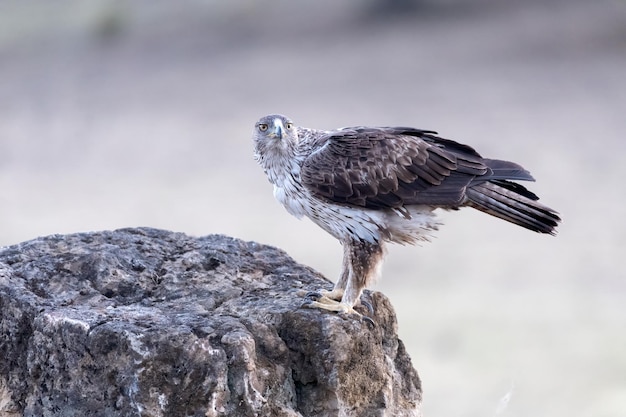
(507, 170)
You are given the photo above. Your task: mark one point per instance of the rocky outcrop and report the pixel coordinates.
(145, 322)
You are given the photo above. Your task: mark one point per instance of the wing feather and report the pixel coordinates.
(392, 167)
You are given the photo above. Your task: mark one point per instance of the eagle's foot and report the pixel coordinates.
(325, 303)
(332, 297)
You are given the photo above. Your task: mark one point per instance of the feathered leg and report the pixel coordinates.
(361, 265)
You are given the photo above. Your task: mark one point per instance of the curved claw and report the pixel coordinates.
(315, 295)
(368, 306)
(361, 317)
(369, 321)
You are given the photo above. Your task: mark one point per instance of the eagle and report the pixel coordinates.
(367, 186)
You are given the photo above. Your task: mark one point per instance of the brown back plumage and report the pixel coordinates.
(394, 167)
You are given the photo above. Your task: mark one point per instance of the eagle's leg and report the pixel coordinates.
(361, 265)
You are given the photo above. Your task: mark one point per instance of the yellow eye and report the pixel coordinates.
(289, 125)
(262, 127)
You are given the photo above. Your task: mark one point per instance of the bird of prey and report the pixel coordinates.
(370, 185)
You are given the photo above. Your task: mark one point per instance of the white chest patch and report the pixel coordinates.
(291, 199)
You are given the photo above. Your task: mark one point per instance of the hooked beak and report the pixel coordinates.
(278, 129)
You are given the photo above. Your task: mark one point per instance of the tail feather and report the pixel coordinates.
(514, 203)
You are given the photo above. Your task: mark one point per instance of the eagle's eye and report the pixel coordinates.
(263, 127)
(289, 125)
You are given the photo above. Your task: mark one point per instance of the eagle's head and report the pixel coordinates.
(274, 127)
(274, 136)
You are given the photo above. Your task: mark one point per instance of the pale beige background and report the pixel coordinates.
(116, 114)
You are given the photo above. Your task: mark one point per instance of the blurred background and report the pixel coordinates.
(139, 113)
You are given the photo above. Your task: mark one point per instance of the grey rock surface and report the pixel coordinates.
(145, 322)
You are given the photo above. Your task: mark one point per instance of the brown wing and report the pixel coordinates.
(393, 167)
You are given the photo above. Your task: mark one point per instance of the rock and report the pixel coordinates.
(145, 322)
